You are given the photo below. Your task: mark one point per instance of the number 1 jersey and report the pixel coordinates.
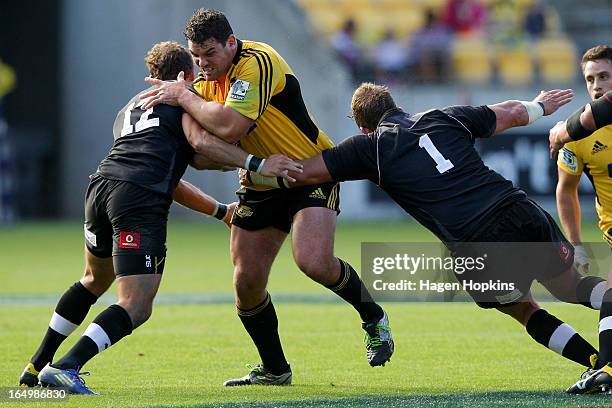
(427, 164)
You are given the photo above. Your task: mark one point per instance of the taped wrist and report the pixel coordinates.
(220, 211)
(256, 178)
(535, 110)
(254, 163)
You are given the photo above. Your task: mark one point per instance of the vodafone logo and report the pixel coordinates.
(129, 240)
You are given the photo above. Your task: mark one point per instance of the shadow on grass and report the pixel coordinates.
(485, 399)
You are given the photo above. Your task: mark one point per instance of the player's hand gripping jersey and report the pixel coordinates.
(261, 86)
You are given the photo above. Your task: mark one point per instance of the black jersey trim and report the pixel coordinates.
(266, 74)
(238, 51)
(291, 103)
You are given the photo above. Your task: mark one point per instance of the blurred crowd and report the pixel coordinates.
(425, 54)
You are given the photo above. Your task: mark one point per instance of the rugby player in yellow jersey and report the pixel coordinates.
(249, 94)
(593, 156)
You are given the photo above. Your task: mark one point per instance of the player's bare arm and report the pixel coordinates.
(520, 113)
(568, 205)
(210, 146)
(189, 196)
(314, 171)
(218, 119)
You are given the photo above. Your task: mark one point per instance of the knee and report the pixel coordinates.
(97, 283)
(247, 281)
(139, 312)
(322, 269)
(522, 312)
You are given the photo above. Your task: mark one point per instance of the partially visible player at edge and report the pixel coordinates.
(251, 95)
(591, 153)
(126, 210)
(427, 164)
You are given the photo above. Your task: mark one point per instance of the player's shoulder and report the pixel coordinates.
(251, 50)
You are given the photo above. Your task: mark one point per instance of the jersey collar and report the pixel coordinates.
(388, 113)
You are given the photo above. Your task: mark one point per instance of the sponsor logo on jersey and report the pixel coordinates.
(598, 147)
(129, 240)
(568, 158)
(238, 89)
(243, 211)
(90, 236)
(318, 193)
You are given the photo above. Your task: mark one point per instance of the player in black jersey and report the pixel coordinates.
(427, 164)
(126, 211)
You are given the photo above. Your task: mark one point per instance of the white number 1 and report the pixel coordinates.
(442, 164)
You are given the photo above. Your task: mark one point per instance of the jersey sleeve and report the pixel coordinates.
(353, 159)
(253, 83)
(480, 121)
(602, 110)
(569, 160)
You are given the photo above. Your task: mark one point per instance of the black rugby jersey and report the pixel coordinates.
(427, 163)
(150, 148)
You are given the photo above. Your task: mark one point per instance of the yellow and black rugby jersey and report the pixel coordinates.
(261, 86)
(593, 155)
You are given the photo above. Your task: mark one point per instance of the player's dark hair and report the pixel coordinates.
(369, 103)
(205, 24)
(166, 59)
(597, 53)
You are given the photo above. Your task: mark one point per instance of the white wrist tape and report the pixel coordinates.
(535, 110)
(261, 165)
(216, 210)
(247, 162)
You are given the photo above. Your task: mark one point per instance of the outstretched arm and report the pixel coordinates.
(188, 195)
(219, 119)
(520, 113)
(206, 144)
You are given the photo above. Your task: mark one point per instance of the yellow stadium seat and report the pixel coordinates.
(557, 59)
(515, 66)
(471, 61)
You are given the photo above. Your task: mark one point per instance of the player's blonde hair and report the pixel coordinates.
(166, 59)
(369, 103)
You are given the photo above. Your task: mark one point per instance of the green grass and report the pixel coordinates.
(447, 354)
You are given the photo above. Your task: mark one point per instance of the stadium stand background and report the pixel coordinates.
(78, 62)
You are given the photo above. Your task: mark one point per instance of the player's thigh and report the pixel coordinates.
(98, 234)
(253, 252)
(313, 236)
(314, 210)
(99, 273)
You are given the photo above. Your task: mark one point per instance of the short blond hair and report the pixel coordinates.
(369, 103)
(166, 59)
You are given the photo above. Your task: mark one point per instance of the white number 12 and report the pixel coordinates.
(442, 164)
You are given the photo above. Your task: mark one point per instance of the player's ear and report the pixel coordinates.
(231, 41)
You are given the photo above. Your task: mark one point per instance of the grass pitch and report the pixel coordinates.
(446, 354)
